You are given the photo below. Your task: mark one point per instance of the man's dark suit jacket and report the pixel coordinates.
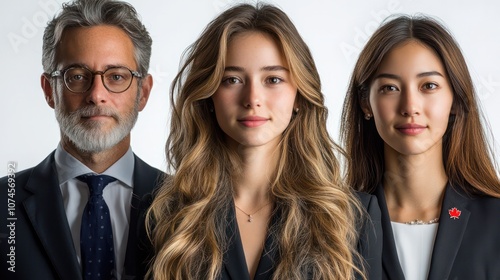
(234, 264)
(43, 243)
(467, 247)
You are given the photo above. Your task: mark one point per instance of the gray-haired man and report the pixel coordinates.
(77, 210)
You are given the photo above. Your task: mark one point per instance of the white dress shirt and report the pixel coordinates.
(117, 195)
(414, 244)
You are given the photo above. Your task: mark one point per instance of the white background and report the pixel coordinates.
(335, 30)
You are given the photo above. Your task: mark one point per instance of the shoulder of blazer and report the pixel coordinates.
(44, 170)
(19, 181)
(146, 177)
(370, 204)
(483, 208)
(42, 230)
(370, 236)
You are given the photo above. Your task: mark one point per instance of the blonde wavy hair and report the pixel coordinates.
(316, 235)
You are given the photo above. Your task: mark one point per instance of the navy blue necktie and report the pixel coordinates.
(96, 234)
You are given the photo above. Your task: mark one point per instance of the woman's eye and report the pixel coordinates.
(274, 80)
(388, 89)
(430, 86)
(231, 80)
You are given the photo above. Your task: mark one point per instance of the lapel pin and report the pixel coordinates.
(454, 213)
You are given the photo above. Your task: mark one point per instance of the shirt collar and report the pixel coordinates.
(68, 167)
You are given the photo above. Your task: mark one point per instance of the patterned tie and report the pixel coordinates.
(96, 234)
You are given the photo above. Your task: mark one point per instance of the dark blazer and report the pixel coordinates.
(467, 247)
(43, 243)
(234, 264)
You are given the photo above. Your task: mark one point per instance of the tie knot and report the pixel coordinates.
(96, 183)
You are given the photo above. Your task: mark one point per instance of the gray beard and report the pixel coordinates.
(87, 136)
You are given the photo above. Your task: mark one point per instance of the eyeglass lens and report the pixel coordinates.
(116, 79)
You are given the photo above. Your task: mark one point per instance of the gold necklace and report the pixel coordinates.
(420, 222)
(250, 216)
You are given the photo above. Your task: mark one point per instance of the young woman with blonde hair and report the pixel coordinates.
(256, 191)
(412, 128)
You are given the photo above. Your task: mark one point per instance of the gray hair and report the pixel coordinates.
(87, 13)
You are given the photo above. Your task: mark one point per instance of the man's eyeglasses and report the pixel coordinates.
(79, 79)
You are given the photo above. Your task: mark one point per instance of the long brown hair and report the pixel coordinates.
(187, 218)
(466, 154)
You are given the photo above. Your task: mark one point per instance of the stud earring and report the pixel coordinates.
(211, 109)
(296, 110)
(368, 117)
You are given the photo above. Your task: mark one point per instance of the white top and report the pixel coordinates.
(117, 195)
(414, 244)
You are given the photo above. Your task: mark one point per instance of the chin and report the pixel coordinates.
(97, 139)
(407, 150)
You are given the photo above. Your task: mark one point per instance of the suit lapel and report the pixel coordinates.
(234, 258)
(449, 235)
(146, 179)
(390, 260)
(46, 213)
(265, 269)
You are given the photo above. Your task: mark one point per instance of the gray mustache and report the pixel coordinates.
(93, 111)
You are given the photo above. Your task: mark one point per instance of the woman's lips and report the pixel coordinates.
(253, 121)
(411, 129)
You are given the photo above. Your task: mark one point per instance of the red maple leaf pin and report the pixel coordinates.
(454, 213)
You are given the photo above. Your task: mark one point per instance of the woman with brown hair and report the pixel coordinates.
(256, 191)
(413, 131)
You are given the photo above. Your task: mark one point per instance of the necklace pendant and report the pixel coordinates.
(250, 218)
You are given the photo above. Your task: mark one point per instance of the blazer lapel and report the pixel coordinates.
(265, 268)
(234, 258)
(46, 213)
(450, 233)
(146, 179)
(390, 260)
